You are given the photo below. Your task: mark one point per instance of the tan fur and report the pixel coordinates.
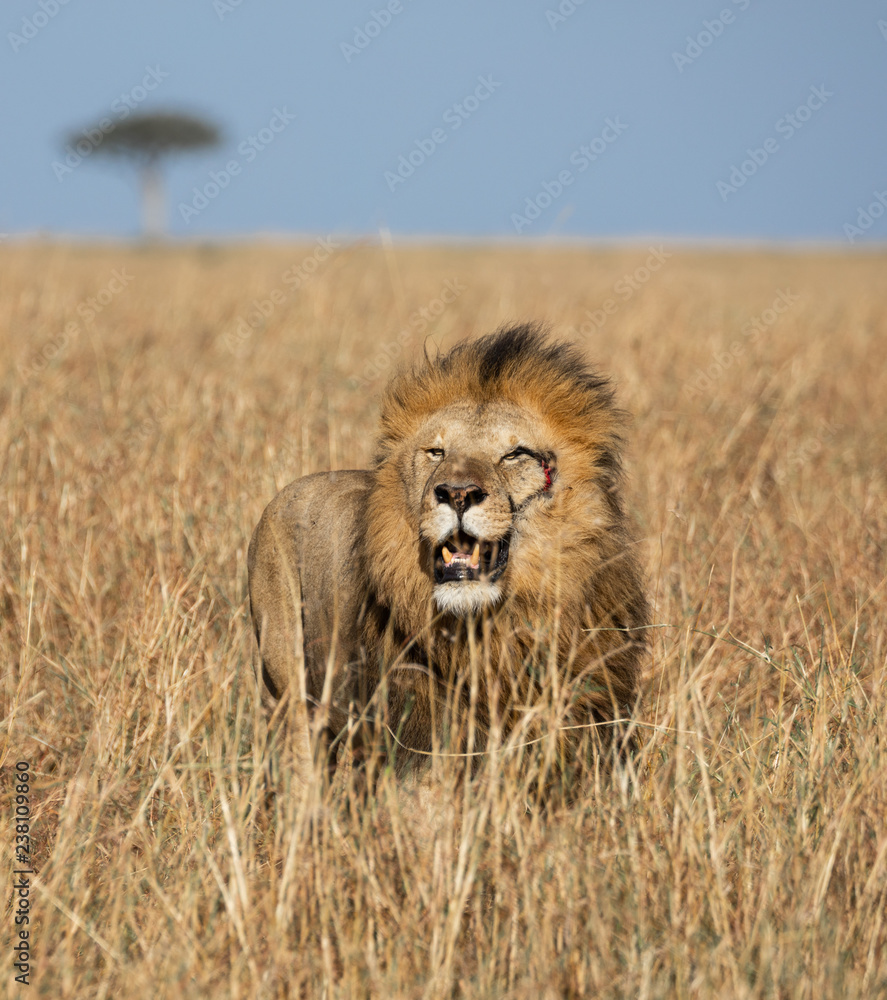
(508, 437)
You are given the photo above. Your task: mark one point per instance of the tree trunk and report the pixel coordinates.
(153, 202)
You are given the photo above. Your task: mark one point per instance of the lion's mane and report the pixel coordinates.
(571, 624)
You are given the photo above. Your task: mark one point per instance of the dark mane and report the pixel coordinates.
(523, 348)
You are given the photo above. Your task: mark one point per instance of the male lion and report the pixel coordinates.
(482, 570)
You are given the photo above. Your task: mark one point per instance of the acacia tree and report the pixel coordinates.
(146, 140)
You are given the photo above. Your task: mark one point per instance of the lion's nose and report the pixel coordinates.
(460, 498)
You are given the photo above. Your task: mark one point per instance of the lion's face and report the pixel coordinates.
(496, 488)
(476, 474)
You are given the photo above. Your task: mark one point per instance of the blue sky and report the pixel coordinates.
(493, 102)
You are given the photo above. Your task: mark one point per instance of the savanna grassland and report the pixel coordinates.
(742, 853)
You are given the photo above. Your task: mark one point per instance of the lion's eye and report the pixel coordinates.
(513, 456)
(435, 453)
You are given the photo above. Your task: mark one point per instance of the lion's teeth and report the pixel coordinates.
(448, 556)
(475, 556)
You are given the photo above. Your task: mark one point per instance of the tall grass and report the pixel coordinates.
(743, 851)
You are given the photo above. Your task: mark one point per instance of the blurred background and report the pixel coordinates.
(722, 120)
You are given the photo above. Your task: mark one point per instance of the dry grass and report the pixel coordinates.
(746, 856)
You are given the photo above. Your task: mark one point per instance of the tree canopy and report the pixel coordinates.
(152, 136)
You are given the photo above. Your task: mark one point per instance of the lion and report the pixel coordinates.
(479, 578)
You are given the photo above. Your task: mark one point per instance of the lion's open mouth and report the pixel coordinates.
(464, 557)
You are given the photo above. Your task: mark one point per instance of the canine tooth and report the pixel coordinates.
(475, 556)
(448, 556)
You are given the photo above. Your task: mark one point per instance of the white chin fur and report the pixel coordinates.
(463, 598)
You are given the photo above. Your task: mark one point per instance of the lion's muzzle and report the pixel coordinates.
(462, 555)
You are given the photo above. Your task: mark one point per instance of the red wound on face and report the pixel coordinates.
(547, 470)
